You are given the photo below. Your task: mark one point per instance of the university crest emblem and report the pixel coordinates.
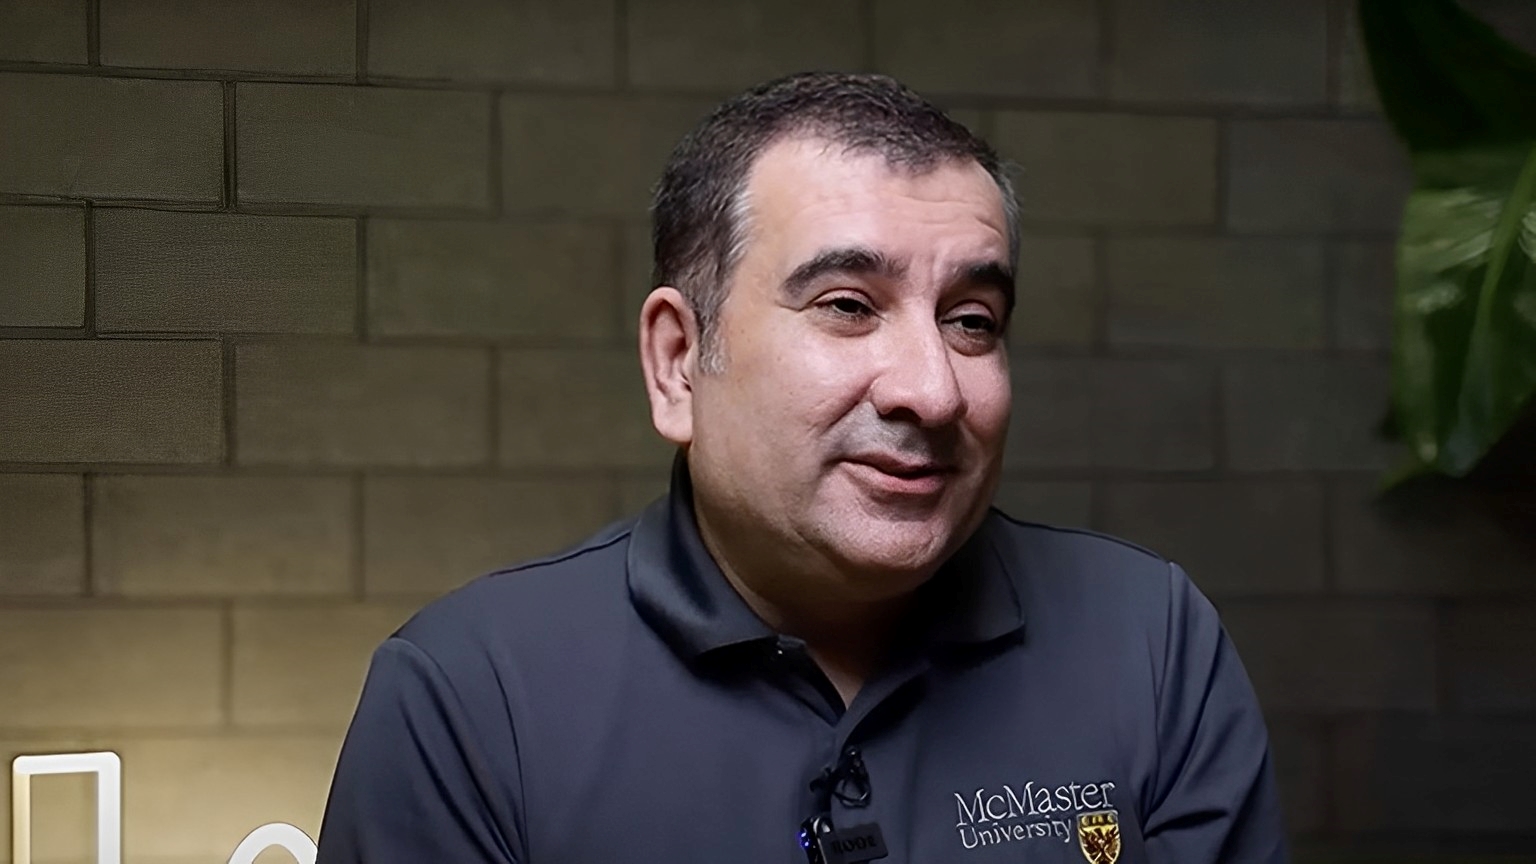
(1098, 835)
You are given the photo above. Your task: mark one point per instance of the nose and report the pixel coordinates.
(917, 382)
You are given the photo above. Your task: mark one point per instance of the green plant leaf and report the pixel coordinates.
(1464, 350)
(1465, 360)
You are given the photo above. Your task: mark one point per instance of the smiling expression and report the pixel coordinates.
(857, 421)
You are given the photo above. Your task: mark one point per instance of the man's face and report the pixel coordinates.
(860, 413)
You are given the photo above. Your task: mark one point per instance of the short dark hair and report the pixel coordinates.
(697, 229)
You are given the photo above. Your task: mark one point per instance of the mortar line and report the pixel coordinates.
(93, 33)
(231, 184)
(621, 45)
(88, 214)
(360, 74)
(1106, 13)
(1333, 60)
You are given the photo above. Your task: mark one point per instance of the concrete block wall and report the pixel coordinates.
(310, 311)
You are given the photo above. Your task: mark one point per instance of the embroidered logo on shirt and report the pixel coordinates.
(989, 818)
(1098, 835)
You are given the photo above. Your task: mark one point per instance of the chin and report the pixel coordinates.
(901, 556)
(888, 545)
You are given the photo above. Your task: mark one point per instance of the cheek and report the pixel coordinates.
(989, 401)
(811, 386)
(770, 413)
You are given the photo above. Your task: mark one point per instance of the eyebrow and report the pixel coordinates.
(851, 260)
(987, 274)
(862, 260)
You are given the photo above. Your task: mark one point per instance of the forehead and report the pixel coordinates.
(804, 194)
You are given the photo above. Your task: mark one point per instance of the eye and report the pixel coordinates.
(848, 307)
(974, 322)
(977, 323)
(974, 329)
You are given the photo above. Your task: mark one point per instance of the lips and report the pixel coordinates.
(893, 478)
(898, 466)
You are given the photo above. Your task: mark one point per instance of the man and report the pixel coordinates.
(822, 644)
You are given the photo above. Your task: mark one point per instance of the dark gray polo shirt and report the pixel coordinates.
(620, 703)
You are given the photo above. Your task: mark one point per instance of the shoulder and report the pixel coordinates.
(1055, 558)
(578, 590)
(1127, 606)
(1085, 578)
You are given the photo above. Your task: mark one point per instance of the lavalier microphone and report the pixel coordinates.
(848, 782)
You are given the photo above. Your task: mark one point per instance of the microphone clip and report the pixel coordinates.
(848, 782)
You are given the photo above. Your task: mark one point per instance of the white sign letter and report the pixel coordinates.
(109, 800)
(272, 834)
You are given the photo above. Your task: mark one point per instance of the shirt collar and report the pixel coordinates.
(679, 590)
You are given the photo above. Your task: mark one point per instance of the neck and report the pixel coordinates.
(803, 597)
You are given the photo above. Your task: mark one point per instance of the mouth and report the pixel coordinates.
(893, 475)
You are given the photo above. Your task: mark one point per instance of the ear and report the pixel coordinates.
(669, 347)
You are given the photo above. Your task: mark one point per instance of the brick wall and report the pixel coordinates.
(312, 309)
